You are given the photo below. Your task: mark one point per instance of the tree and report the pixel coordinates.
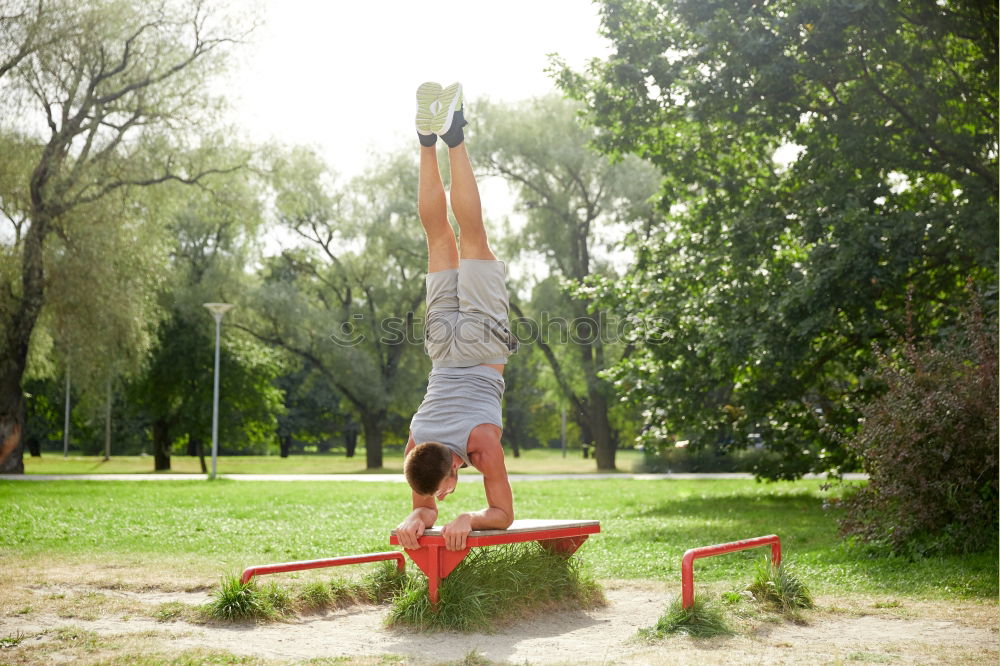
(522, 399)
(118, 88)
(174, 394)
(345, 300)
(757, 296)
(213, 230)
(313, 412)
(573, 200)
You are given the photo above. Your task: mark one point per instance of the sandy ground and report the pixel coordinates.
(99, 616)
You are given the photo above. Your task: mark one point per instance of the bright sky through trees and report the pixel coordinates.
(340, 76)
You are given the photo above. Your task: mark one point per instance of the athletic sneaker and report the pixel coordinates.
(436, 107)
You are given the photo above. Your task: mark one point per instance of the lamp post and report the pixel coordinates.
(66, 420)
(217, 310)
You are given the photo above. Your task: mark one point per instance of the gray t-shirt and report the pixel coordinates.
(457, 400)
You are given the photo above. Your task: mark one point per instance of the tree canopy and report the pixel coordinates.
(577, 206)
(819, 159)
(100, 100)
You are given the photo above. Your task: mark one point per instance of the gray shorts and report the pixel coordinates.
(467, 320)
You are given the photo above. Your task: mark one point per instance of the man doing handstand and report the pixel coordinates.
(466, 335)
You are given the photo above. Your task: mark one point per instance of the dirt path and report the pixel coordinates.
(61, 621)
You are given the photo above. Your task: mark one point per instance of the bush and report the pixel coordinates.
(705, 459)
(929, 445)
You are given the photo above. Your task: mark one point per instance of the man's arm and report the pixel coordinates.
(423, 515)
(486, 454)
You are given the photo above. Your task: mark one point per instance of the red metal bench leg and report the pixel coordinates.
(436, 563)
(564, 546)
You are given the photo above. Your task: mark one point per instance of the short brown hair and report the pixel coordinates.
(427, 466)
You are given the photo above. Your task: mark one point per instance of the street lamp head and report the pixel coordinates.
(218, 309)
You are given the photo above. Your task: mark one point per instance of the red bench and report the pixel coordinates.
(436, 561)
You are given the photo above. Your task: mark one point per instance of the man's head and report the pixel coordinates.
(430, 469)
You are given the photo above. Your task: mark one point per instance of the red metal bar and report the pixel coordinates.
(687, 562)
(282, 567)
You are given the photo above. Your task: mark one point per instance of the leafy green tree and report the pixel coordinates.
(524, 399)
(818, 158)
(175, 393)
(103, 98)
(573, 200)
(213, 228)
(344, 300)
(313, 413)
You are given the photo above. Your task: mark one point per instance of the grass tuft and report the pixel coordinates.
(170, 611)
(384, 583)
(278, 598)
(494, 586)
(234, 601)
(473, 659)
(240, 601)
(702, 620)
(780, 585)
(346, 592)
(315, 596)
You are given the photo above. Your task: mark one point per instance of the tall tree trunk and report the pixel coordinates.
(350, 439)
(196, 447)
(285, 442)
(511, 440)
(601, 431)
(11, 428)
(511, 423)
(583, 421)
(14, 348)
(372, 423)
(161, 445)
(34, 445)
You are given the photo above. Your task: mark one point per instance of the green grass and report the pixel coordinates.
(704, 619)
(316, 595)
(493, 587)
(207, 528)
(533, 461)
(780, 585)
(234, 600)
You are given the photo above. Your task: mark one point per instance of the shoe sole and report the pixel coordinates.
(436, 107)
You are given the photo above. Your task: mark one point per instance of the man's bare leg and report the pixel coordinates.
(442, 250)
(467, 207)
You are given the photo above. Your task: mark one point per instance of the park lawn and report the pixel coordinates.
(205, 529)
(531, 461)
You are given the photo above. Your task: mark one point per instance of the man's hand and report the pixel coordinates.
(409, 531)
(456, 532)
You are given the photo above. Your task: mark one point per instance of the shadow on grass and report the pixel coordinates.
(700, 521)
(809, 534)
